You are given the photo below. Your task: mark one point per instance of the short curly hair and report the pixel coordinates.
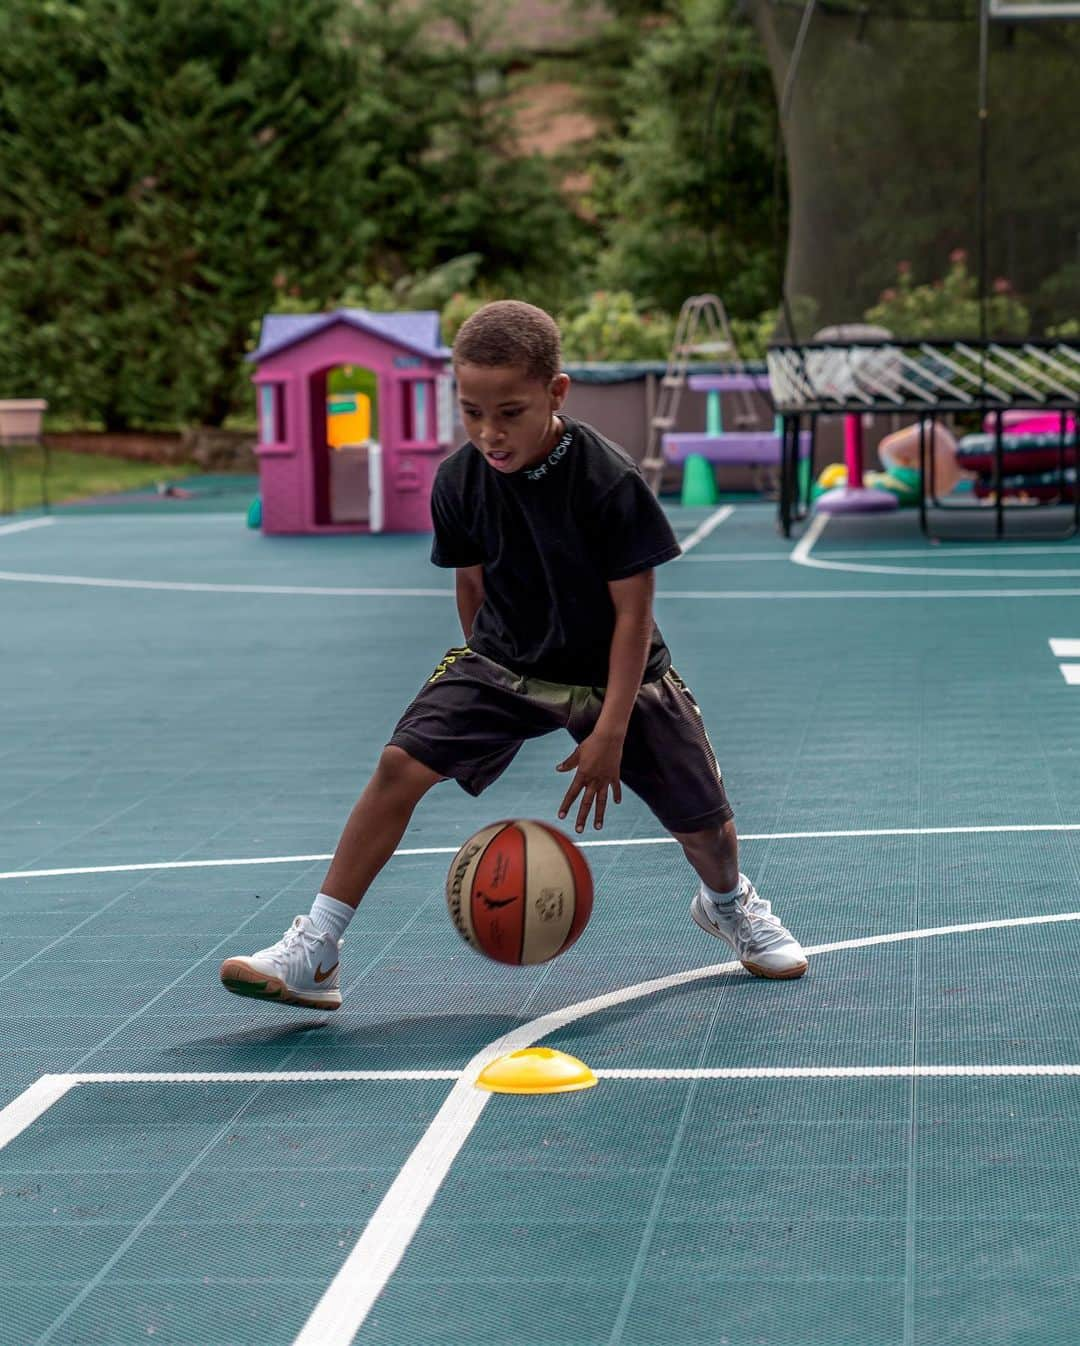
(511, 333)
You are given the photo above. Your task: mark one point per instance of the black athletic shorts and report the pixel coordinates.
(472, 715)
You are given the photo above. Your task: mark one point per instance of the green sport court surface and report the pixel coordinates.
(884, 1152)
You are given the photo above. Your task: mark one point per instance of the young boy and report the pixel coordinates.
(553, 536)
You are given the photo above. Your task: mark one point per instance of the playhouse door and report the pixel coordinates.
(356, 485)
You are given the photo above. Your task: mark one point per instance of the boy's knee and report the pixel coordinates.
(402, 773)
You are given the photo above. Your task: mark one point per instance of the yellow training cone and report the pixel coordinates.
(536, 1070)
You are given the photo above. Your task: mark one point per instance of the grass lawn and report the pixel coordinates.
(74, 476)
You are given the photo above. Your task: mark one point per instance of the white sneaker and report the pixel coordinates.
(302, 968)
(761, 943)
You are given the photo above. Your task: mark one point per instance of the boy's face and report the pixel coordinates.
(509, 414)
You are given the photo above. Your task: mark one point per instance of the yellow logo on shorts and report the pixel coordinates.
(450, 657)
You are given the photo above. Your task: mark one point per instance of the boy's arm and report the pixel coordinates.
(469, 591)
(598, 757)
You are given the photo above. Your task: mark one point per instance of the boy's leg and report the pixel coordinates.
(303, 967)
(727, 905)
(669, 762)
(377, 823)
(714, 855)
(467, 722)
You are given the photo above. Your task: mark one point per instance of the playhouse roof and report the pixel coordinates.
(416, 332)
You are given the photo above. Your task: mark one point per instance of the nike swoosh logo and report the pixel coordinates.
(492, 902)
(320, 975)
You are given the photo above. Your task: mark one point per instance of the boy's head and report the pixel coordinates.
(508, 362)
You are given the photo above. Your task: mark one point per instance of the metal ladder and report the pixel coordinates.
(702, 329)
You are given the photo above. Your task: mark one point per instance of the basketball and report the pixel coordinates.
(519, 892)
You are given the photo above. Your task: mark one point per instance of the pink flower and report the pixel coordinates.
(1002, 286)
(887, 296)
(958, 256)
(903, 268)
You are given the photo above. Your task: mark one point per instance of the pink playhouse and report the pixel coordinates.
(370, 469)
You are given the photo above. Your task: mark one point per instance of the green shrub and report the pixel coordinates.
(947, 308)
(611, 327)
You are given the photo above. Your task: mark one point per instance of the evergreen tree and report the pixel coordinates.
(161, 163)
(444, 175)
(686, 195)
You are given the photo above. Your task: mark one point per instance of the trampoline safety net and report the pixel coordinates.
(886, 162)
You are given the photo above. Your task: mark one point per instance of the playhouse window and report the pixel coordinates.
(271, 413)
(418, 410)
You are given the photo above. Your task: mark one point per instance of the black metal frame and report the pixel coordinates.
(793, 508)
(928, 495)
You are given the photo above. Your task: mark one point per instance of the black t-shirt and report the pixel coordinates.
(550, 538)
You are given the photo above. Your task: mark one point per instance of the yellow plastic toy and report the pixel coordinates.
(348, 419)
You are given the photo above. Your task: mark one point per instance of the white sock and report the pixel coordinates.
(331, 916)
(725, 899)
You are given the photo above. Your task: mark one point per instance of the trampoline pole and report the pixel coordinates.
(982, 194)
(853, 450)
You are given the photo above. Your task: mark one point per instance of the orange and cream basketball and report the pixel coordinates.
(519, 892)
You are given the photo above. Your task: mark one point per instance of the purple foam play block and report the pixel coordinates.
(754, 447)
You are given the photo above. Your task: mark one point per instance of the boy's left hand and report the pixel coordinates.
(596, 759)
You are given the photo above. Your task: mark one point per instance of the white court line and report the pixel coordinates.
(1071, 674)
(836, 1072)
(837, 834)
(800, 556)
(700, 595)
(177, 586)
(874, 595)
(33, 1102)
(348, 1299)
(24, 525)
(350, 1296)
(1007, 550)
(703, 530)
(328, 591)
(1065, 649)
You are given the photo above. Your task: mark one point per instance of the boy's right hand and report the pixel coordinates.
(595, 763)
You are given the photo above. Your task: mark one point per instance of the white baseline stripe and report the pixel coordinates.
(348, 1299)
(345, 1304)
(700, 533)
(23, 1111)
(963, 572)
(838, 834)
(703, 530)
(801, 557)
(43, 1093)
(252, 1076)
(1065, 649)
(803, 547)
(176, 586)
(24, 525)
(1071, 673)
(916, 553)
(699, 595)
(834, 1072)
(31, 1103)
(848, 595)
